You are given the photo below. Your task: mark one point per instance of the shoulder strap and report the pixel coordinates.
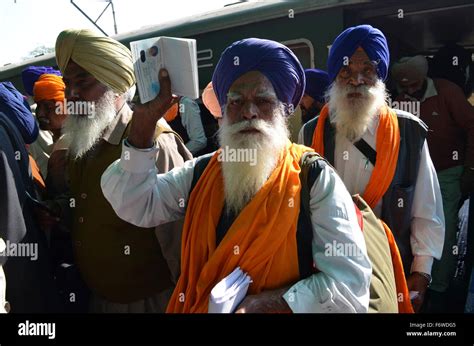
(366, 150)
(310, 171)
(199, 167)
(308, 177)
(161, 129)
(308, 131)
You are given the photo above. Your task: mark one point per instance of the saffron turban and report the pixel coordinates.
(49, 87)
(274, 60)
(317, 82)
(31, 74)
(109, 61)
(410, 69)
(15, 107)
(373, 42)
(209, 99)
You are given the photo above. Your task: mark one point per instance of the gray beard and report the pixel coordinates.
(352, 116)
(83, 132)
(242, 180)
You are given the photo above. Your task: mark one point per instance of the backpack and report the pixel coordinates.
(383, 294)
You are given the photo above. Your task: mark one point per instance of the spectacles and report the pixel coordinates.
(368, 70)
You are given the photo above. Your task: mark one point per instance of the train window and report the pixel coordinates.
(303, 49)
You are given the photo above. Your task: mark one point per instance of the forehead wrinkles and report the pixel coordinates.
(253, 88)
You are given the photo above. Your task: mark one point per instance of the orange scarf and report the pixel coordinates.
(404, 304)
(388, 143)
(35, 172)
(262, 239)
(171, 113)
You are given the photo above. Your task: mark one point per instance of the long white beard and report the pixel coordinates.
(84, 132)
(243, 179)
(353, 115)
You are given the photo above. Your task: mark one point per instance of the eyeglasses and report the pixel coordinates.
(368, 70)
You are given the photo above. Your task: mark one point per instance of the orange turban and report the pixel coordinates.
(209, 99)
(49, 87)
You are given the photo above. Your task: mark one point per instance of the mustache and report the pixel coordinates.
(362, 89)
(253, 124)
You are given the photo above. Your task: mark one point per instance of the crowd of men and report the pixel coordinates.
(128, 208)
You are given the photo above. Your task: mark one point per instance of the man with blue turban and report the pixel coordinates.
(18, 224)
(317, 82)
(14, 105)
(241, 204)
(380, 152)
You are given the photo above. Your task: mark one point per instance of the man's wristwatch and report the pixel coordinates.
(426, 276)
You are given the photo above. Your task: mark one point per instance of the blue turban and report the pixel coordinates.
(373, 42)
(31, 74)
(317, 82)
(15, 107)
(274, 60)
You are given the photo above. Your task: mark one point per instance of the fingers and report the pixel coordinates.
(165, 85)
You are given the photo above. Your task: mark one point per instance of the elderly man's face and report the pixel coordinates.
(81, 85)
(360, 70)
(48, 117)
(251, 96)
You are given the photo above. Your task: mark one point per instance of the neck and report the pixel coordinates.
(56, 135)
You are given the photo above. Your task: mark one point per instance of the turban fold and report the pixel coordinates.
(317, 82)
(15, 107)
(31, 74)
(49, 87)
(410, 69)
(274, 60)
(109, 61)
(373, 42)
(209, 99)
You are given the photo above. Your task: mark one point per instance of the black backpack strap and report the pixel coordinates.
(311, 167)
(201, 164)
(308, 131)
(366, 150)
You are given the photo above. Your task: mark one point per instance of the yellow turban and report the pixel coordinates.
(109, 61)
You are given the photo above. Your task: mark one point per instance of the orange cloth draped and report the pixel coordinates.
(261, 241)
(49, 87)
(388, 143)
(404, 306)
(35, 171)
(171, 113)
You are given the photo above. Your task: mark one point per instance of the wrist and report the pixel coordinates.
(142, 133)
(426, 276)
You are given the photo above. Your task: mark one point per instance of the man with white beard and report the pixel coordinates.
(239, 214)
(380, 153)
(123, 265)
